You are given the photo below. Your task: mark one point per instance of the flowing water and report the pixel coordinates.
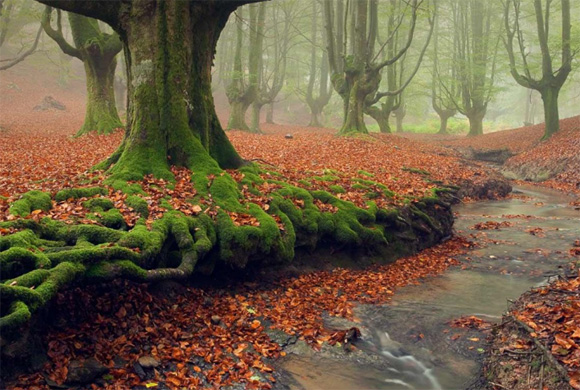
(408, 343)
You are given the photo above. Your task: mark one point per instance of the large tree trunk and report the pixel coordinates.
(101, 114)
(171, 117)
(551, 113)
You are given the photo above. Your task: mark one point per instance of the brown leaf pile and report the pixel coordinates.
(553, 312)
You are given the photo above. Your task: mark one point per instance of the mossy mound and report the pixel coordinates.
(226, 230)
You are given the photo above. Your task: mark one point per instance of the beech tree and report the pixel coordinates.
(169, 48)
(476, 53)
(13, 18)
(444, 73)
(243, 89)
(271, 73)
(390, 102)
(356, 67)
(551, 80)
(318, 75)
(97, 50)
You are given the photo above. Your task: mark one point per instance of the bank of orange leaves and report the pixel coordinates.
(126, 321)
(553, 314)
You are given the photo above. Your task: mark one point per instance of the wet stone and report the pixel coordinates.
(215, 320)
(85, 371)
(148, 362)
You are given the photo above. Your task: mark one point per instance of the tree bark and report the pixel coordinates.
(270, 114)
(381, 115)
(237, 120)
(97, 51)
(171, 116)
(255, 125)
(101, 113)
(551, 113)
(475, 122)
(444, 117)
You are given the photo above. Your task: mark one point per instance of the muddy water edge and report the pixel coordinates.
(408, 343)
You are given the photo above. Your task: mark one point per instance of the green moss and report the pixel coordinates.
(365, 173)
(359, 186)
(77, 193)
(416, 170)
(18, 315)
(326, 178)
(99, 204)
(112, 219)
(337, 189)
(30, 201)
(124, 187)
(109, 270)
(139, 205)
(149, 242)
(17, 261)
(92, 233)
(305, 183)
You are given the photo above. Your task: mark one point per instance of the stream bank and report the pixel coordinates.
(408, 343)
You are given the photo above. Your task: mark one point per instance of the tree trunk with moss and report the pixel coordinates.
(475, 116)
(382, 116)
(270, 114)
(171, 119)
(443, 119)
(97, 50)
(242, 91)
(551, 113)
(550, 82)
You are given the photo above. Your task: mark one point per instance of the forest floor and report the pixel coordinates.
(216, 336)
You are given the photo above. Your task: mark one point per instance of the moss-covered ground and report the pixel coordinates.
(158, 229)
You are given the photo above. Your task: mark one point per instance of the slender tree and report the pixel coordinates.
(272, 73)
(444, 73)
(169, 49)
(477, 38)
(318, 75)
(13, 18)
(551, 80)
(97, 50)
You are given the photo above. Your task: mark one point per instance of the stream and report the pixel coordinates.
(408, 343)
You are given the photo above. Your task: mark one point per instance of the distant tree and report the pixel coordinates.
(243, 88)
(271, 72)
(97, 50)
(551, 80)
(444, 72)
(476, 53)
(318, 73)
(356, 67)
(382, 105)
(400, 113)
(13, 18)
